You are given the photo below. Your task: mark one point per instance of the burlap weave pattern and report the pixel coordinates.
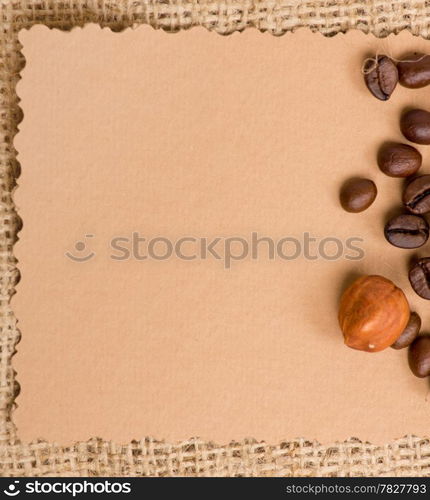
(408, 456)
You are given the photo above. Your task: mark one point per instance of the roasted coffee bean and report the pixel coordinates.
(357, 194)
(381, 77)
(415, 72)
(407, 231)
(419, 277)
(415, 126)
(399, 160)
(416, 196)
(419, 356)
(409, 333)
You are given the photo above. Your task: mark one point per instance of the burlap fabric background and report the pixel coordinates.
(147, 457)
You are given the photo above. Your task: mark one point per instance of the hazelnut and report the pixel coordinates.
(373, 313)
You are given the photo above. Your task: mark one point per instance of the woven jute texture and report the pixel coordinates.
(409, 456)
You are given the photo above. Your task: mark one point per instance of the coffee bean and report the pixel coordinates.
(415, 126)
(399, 160)
(415, 72)
(407, 231)
(357, 194)
(416, 196)
(409, 333)
(381, 77)
(419, 356)
(419, 277)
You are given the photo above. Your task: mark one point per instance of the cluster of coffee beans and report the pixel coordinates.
(410, 229)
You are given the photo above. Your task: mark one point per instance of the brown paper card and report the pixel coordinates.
(197, 135)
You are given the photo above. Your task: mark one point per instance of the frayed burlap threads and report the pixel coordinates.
(409, 456)
(404, 457)
(276, 16)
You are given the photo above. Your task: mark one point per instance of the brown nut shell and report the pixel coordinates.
(373, 313)
(419, 356)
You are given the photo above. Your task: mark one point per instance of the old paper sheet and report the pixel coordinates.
(142, 135)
